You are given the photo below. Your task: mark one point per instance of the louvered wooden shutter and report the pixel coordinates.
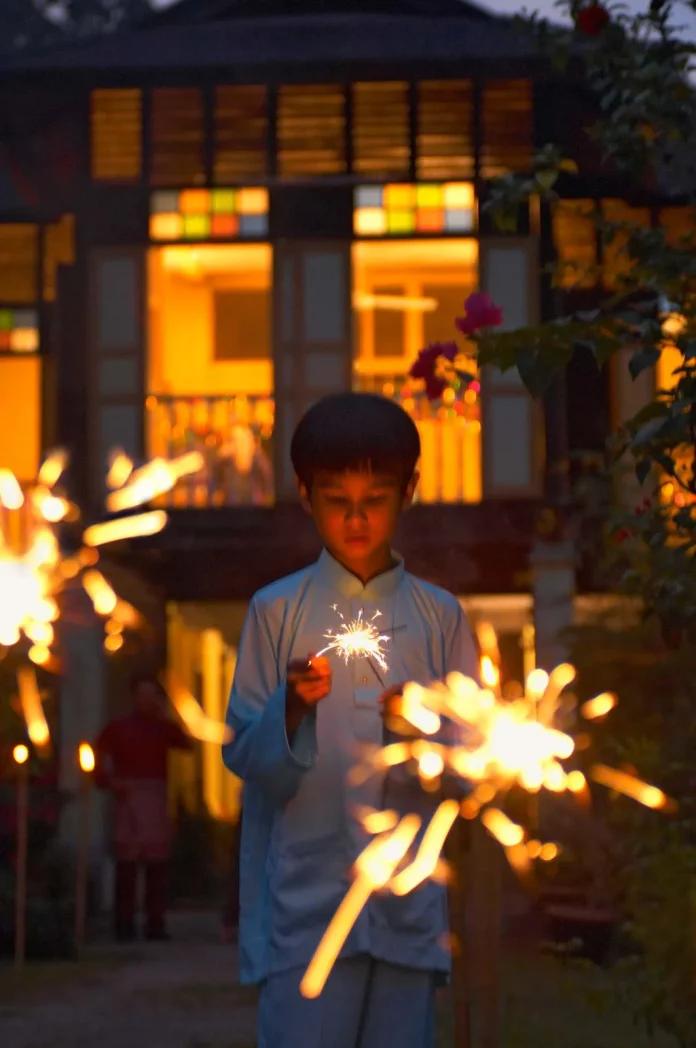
(510, 419)
(19, 253)
(381, 129)
(116, 126)
(177, 137)
(445, 130)
(311, 127)
(241, 134)
(313, 343)
(59, 250)
(117, 354)
(507, 127)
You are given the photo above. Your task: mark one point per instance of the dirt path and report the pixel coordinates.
(181, 994)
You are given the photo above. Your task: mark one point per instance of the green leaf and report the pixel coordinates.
(642, 360)
(537, 374)
(643, 468)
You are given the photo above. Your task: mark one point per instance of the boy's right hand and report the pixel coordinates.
(309, 681)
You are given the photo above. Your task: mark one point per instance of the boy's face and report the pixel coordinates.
(356, 515)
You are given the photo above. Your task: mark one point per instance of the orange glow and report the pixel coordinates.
(20, 411)
(370, 222)
(629, 785)
(459, 196)
(166, 227)
(24, 340)
(505, 831)
(252, 202)
(100, 592)
(20, 754)
(599, 706)
(85, 756)
(198, 724)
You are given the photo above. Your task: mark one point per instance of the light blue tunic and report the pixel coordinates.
(300, 837)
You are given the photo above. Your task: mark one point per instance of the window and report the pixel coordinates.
(405, 209)
(507, 127)
(177, 137)
(209, 214)
(241, 134)
(311, 130)
(20, 411)
(445, 135)
(381, 129)
(116, 122)
(405, 294)
(210, 369)
(575, 240)
(19, 255)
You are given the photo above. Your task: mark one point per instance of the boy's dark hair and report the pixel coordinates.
(355, 431)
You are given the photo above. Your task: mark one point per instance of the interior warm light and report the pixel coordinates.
(369, 222)
(252, 202)
(86, 757)
(166, 227)
(399, 303)
(24, 340)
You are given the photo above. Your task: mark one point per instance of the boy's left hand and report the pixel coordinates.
(390, 705)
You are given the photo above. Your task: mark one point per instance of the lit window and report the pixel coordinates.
(407, 294)
(209, 214)
(116, 119)
(414, 208)
(19, 330)
(575, 239)
(20, 411)
(210, 367)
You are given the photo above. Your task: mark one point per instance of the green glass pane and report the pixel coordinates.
(196, 227)
(223, 201)
(401, 221)
(6, 320)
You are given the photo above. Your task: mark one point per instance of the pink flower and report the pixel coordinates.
(432, 365)
(480, 312)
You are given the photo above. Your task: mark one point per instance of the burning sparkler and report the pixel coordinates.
(492, 745)
(358, 638)
(33, 569)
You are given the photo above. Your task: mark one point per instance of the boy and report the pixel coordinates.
(300, 727)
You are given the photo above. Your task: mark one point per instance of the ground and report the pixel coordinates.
(184, 994)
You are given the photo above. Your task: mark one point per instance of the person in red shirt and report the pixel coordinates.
(132, 762)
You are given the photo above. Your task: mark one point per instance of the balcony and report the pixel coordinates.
(235, 436)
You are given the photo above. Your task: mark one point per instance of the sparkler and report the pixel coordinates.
(491, 744)
(34, 571)
(358, 638)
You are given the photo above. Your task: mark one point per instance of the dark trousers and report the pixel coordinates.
(155, 897)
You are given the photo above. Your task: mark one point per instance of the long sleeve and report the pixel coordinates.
(460, 652)
(260, 752)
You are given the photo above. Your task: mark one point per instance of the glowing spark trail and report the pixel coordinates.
(358, 638)
(491, 744)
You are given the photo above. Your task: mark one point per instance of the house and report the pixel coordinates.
(211, 220)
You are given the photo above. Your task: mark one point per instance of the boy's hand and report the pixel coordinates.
(309, 681)
(390, 701)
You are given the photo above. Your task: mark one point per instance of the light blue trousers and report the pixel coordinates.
(365, 1004)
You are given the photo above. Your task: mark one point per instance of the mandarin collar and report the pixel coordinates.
(336, 577)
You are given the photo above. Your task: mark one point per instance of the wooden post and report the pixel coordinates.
(21, 756)
(486, 902)
(86, 757)
(455, 850)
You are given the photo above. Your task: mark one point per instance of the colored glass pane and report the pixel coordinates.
(164, 203)
(196, 227)
(430, 220)
(253, 225)
(223, 201)
(370, 222)
(458, 196)
(252, 202)
(25, 318)
(369, 196)
(429, 196)
(225, 226)
(165, 227)
(194, 202)
(459, 221)
(401, 221)
(24, 340)
(6, 320)
(399, 197)
(4, 341)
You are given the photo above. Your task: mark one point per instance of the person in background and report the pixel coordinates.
(132, 762)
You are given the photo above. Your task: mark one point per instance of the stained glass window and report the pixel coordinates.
(19, 330)
(408, 209)
(209, 214)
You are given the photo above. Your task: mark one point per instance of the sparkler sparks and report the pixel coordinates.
(34, 572)
(493, 745)
(358, 638)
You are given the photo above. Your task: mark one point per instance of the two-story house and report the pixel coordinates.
(210, 221)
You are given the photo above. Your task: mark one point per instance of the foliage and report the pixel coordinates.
(637, 67)
(39, 23)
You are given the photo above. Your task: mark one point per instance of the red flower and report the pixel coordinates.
(591, 20)
(622, 535)
(481, 311)
(431, 365)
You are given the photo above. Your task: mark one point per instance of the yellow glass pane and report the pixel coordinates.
(458, 196)
(20, 411)
(429, 196)
(401, 221)
(223, 201)
(399, 196)
(24, 340)
(370, 222)
(252, 202)
(165, 227)
(195, 202)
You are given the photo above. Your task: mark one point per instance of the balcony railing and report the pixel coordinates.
(234, 435)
